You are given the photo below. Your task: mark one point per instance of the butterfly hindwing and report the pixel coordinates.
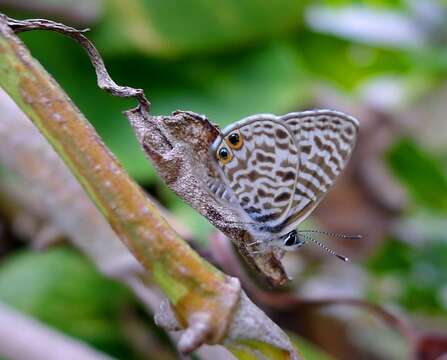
(325, 139)
(261, 171)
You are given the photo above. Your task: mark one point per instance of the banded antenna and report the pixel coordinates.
(330, 251)
(335, 235)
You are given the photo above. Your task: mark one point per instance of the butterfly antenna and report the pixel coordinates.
(330, 251)
(342, 236)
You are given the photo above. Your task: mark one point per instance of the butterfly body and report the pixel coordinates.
(275, 170)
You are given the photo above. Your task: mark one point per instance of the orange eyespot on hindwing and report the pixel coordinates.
(224, 155)
(235, 140)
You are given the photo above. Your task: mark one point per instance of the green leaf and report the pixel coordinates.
(271, 79)
(419, 274)
(62, 289)
(393, 257)
(420, 172)
(346, 64)
(171, 28)
(420, 298)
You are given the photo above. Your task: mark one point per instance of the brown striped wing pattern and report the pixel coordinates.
(281, 167)
(326, 140)
(260, 171)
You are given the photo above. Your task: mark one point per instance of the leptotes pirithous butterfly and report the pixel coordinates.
(275, 170)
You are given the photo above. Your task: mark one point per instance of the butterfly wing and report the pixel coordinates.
(259, 173)
(325, 139)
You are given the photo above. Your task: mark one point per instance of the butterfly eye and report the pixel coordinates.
(224, 155)
(290, 240)
(235, 140)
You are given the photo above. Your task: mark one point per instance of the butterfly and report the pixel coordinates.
(274, 170)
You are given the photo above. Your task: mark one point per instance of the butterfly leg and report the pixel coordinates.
(262, 247)
(259, 251)
(254, 243)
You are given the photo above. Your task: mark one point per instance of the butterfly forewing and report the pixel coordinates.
(325, 141)
(261, 171)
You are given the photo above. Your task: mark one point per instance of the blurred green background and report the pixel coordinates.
(384, 62)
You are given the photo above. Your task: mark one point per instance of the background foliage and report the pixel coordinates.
(382, 61)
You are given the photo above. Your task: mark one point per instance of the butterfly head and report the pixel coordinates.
(290, 241)
(295, 239)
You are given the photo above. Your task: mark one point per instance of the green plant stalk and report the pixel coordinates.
(192, 285)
